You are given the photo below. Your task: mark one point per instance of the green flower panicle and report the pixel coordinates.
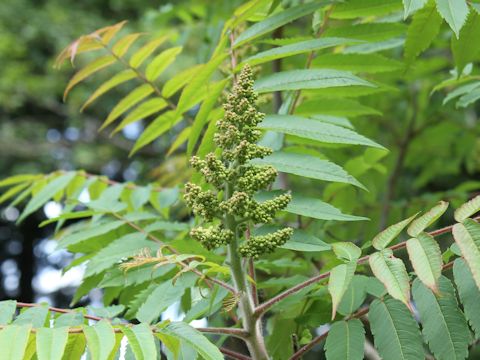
(235, 180)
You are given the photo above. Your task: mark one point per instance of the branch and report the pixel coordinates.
(297, 355)
(262, 308)
(234, 355)
(58, 310)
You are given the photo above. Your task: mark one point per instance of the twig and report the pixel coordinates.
(234, 355)
(262, 308)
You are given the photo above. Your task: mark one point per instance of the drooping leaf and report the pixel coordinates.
(141, 340)
(426, 258)
(467, 237)
(468, 209)
(275, 21)
(454, 12)
(296, 48)
(469, 293)
(314, 130)
(423, 221)
(158, 65)
(7, 310)
(75, 347)
(95, 66)
(384, 238)
(130, 100)
(36, 316)
(427, 22)
(308, 166)
(395, 331)
(303, 241)
(444, 326)
(345, 340)
(340, 278)
(308, 79)
(392, 273)
(145, 51)
(116, 80)
(100, 340)
(13, 341)
(354, 296)
(56, 185)
(51, 343)
(145, 109)
(163, 296)
(462, 49)
(193, 338)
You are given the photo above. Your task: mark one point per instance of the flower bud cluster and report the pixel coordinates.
(236, 179)
(258, 245)
(202, 203)
(212, 237)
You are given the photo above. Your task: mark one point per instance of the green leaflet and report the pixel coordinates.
(308, 166)
(422, 222)
(347, 251)
(130, 100)
(365, 8)
(145, 51)
(179, 80)
(193, 338)
(469, 294)
(275, 21)
(426, 258)
(410, 6)
(145, 109)
(116, 80)
(467, 237)
(214, 92)
(141, 340)
(296, 48)
(157, 127)
(314, 130)
(58, 184)
(469, 98)
(392, 273)
(100, 340)
(16, 179)
(335, 107)
(158, 65)
(395, 331)
(468, 209)
(462, 49)
(454, 12)
(13, 341)
(308, 79)
(311, 207)
(7, 310)
(427, 22)
(367, 31)
(122, 247)
(444, 326)
(357, 63)
(69, 319)
(340, 278)
(36, 316)
(75, 347)
(464, 91)
(163, 296)
(87, 233)
(51, 343)
(96, 65)
(345, 340)
(385, 237)
(121, 47)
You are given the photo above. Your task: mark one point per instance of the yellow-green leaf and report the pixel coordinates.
(384, 238)
(121, 46)
(13, 341)
(137, 95)
(181, 138)
(421, 223)
(93, 67)
(468, 209)
(118, 79)
(141, 341)
(51, 343)
(426, 259)
(340, 278)
(145, 51)
(100, 340)
(145, 109)
(163, 60)
(347, 251)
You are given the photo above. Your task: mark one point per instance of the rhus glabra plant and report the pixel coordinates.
(273, 262)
